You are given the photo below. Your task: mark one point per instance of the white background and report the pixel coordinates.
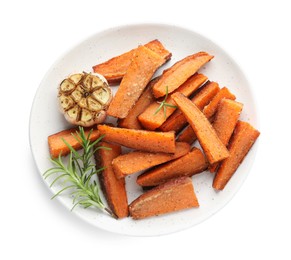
(255, 224)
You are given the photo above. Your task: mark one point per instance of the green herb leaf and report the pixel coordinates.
(164, 105)
(78, 172)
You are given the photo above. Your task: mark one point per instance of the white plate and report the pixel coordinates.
(46, 119)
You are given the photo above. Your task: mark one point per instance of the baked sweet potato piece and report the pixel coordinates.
(113, 188)
(151, 119)
(242, 140)
(192, 163)
(146, 98)
(177, 120)
(139, 139)
(225, 121)
(179, 73)
(139, 73)
(202, 99)
(174, 195)
(211, 108)
(188, 135)
(213, 148)
(158, 47)
(136, 161)
(114, 69)
(57, 145)
(205, 94)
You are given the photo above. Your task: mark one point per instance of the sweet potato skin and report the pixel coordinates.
(115, 68)
(174, 195)
(139, 73)
(139, 139)
(213, 148)
(242, 140)
(113, 188)
(152, 120)
(136, 161)
(180, 72)
(57, 145)
(192, 163)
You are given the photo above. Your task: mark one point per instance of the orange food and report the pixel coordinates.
(150, 114)
(146, 98)
(242, 140)
(174, 195)
(152, 120)
(225, 120)
(139, 139)
(213, 148)
(202, 99)
(114, 69)
(113, 188)
(188, 135)
(206, 94)
(57, 145)
(192, 163)
(139, 73)
(136, 161)
(177, 120)
(211, 108)
(179, 73)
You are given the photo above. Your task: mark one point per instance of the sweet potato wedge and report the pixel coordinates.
(114, 189)
(57, 145)
(177, 120)
(225, 121)
(188, 135)
(136, 161)
(157, 47)
(174, 195)
(180, 72)
(205, 95)
(139, 139)
(192, 163)
(242, 140)
(211, 108)
(114, 69)
(139, 73)
(152, 120)
(213, 148)
(201, 100)
(146, 98)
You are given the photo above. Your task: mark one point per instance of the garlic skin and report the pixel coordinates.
(84, 98)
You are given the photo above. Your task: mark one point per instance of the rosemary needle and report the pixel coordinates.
(77, 173)
(163, 105)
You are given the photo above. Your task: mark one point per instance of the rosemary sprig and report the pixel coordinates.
(164, 104)
(78, 173)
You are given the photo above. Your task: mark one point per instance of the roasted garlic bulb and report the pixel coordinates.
(84, 98)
